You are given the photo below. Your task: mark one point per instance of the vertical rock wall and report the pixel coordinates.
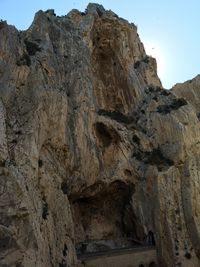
(91, 145)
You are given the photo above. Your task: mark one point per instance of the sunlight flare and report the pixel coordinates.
(155, 50)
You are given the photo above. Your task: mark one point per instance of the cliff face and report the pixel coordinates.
(91, 145)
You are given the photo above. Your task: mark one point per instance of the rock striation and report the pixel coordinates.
(91, 146)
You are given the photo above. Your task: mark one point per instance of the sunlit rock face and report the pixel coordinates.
(91, 146)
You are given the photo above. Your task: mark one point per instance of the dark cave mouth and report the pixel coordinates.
(104, 218)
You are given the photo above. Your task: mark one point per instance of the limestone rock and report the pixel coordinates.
(92, 146)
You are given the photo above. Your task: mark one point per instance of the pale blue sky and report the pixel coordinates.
(169, 29)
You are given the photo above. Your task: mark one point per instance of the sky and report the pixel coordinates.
(169, 29)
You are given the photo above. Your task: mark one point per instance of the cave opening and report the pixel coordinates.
(104, 218)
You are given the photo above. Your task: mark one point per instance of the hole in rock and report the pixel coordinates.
(106, 135)
(40, 163)
(127, 172)
(64, 188)
(198, 116)
(188, 255)
(104, 219)
(151, 239)
(152, 264)
(45, 211)
(136, 139)
(31, 47)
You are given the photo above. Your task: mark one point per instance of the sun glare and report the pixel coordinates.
(154, 50)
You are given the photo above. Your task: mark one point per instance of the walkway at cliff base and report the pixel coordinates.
(137, 255)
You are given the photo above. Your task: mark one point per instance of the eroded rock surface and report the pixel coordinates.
(92, 147)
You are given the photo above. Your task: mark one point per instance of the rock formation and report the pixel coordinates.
(92, 147)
